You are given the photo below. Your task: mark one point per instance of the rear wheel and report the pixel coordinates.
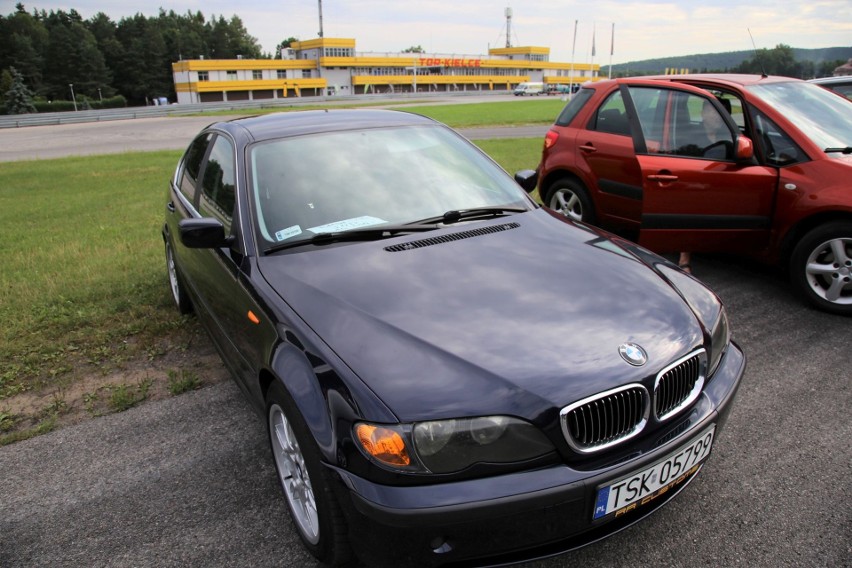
(821, 267)
(570, 198)
(182, 301)
(310, 498)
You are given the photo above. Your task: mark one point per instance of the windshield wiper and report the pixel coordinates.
(371, 234)
(846, 150)
(455, 215)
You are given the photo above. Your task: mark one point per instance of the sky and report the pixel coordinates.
(643, 30)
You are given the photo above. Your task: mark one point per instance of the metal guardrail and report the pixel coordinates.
(130, 113)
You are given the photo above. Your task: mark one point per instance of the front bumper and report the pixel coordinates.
(518, 516)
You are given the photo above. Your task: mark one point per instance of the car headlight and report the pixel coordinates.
(720, 336)
(446, 446)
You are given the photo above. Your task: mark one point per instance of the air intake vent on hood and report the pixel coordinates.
(420, 243)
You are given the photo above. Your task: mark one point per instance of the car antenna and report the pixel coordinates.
(763, 74)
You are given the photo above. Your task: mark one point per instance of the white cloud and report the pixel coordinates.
(642, 29)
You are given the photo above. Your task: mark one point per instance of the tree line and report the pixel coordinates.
(57, 51)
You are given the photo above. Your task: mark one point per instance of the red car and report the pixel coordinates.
(759, 166)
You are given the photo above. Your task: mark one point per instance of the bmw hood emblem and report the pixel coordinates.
(633, 354)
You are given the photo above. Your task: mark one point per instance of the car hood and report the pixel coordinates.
(516, 316)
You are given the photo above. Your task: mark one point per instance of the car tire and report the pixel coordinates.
(821, 267)
(182, 301)
(571, 199)
(306, 485)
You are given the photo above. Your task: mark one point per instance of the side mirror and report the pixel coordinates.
(527, 179)
(744, 149)
(203, 233)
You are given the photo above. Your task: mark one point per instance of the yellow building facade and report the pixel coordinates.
(331, 66)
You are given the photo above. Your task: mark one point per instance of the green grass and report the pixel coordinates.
(471, 115)
(502, 113)
(82, 279)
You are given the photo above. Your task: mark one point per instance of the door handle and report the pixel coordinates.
(171, 206)
(662, 178)
(588, 147)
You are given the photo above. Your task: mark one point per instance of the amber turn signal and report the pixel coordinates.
(383, 444)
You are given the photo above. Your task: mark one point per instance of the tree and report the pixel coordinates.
(23, 40)
(19, 99)
(414, 49)
(778, 61)
(284, 44)
(73, 57)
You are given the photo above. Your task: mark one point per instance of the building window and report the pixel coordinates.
(337, 52)
(281, 73)
(306, 73)
(204, 75)
(257, 75)
(231, 75)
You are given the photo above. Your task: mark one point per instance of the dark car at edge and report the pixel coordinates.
(449, 373)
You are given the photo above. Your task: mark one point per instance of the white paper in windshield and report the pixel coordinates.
(347, 224)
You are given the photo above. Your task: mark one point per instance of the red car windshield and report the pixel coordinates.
(821, 115)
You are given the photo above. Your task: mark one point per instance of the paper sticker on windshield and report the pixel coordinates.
(285, 234)
(348, 224)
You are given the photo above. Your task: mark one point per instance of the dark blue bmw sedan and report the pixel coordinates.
(449, 373)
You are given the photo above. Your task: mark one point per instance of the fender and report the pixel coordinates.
(322, 396)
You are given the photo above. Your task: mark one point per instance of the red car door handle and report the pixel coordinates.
(663, 178)
(588, 147)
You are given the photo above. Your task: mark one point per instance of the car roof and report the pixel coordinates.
(284, 124)
(730, 79)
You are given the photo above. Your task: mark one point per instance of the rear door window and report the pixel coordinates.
(572, 108)
(191, 168)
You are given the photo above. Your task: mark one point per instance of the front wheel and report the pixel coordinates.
(310, 498)
(821, 267)
(570, 198)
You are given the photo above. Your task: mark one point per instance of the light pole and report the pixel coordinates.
(71, 85)
(100, 96)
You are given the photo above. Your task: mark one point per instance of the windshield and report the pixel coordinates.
(340, 181)
(821, 115)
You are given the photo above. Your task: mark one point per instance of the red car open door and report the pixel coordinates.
(697, 195)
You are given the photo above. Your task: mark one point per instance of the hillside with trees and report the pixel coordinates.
(782, 60)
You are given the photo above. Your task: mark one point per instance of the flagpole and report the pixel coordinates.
(611, 48)
(592, 63)
(573, 50)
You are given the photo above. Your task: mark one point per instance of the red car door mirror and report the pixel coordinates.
(745, 149)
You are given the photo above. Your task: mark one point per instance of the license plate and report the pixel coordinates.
(642, 487)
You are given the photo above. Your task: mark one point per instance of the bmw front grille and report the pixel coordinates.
(609, 418)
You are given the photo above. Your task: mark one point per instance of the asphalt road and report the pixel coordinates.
(189, 481)
(162, 133)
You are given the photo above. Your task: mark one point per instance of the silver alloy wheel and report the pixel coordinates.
(173, 278)
(293, 474)
(568, 203)
(829, 271)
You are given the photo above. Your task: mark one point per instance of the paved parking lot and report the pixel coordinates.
(189, 481)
